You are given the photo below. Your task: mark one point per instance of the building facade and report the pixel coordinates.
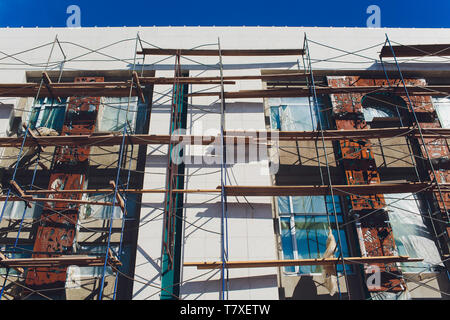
(273, 201)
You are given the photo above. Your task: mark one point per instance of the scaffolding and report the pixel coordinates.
(351, 137)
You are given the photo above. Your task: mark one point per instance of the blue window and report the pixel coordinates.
(47, 114)
(304, 229)
(295, 114)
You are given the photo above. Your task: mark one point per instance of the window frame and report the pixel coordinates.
(292, 227)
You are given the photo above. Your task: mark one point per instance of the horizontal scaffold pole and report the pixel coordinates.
(304, 91)
(299, 262)
(217, 80)
(79, 260)
(305, 190)
(122, 89)
(420, 50)
(223, 52)
(232, 137)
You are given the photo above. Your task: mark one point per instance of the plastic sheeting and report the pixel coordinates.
(93, 211)
(15, 210)
(404, 295)
(412, 236)
(442, 107)
(377, 112)
(294, 114)
(114, 114)
(329, 272)
(75, 273)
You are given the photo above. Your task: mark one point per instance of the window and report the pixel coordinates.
(377, 112)
(117, 112)
(442, 107)
(93, 211)
(295, 114)
(387, 109)
(47, 114)
(411, 235)
(304, 229)
(18, 209)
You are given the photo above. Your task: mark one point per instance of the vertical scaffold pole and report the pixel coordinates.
(223, 179)
(312, 87)
(418, 125)
(126, 124)
(422, 139)
(20, 154)
(110, 220)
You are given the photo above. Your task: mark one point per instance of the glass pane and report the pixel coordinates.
(296, 114)
(286, 242)
(283, 205)
(275, 118)
(337, 204)
(311, 236)
(315, 204)
(309, 204)
(34, 117)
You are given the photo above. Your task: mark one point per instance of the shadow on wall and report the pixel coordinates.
(306, 289)
(239, 288)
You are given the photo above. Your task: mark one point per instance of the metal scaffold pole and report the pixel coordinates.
(423, 142)
(110, 220)
(223, 179)
(19, 158)
(311, 85)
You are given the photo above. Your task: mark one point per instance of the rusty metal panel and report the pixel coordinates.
(56, 231)
(378, 240)
(356, 149)
(359, 165)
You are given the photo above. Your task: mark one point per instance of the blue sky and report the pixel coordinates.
(323, 13)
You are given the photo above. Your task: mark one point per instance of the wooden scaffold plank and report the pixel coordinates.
(224, 52)
(61, 261)
(300, 262)
(305, 190)
(232, 137)
(421, 50)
